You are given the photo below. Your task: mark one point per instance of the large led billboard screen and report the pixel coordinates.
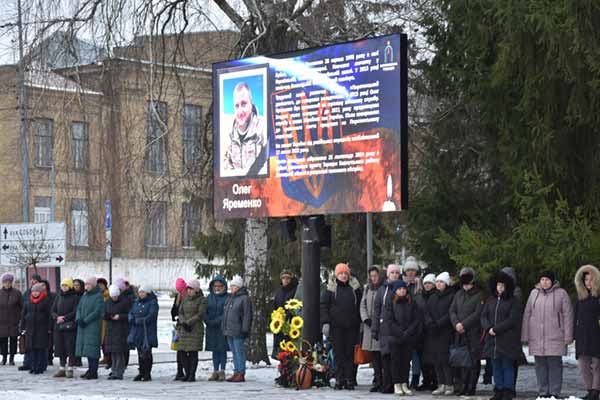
(316, 131)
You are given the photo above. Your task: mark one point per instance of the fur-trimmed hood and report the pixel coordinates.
(505, 278)
(582, 292)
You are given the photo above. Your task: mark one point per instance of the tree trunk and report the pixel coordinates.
(258, 280)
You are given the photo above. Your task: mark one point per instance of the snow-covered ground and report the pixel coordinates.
(260, 380)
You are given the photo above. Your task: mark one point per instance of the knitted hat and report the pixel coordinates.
(236, 281)
(91, 281)
(429, 278)
(443, 277)
(397, 285)
(67, 282)
(180, 285)
(548, 274)
(194, 284)
(146, 288)
(120, 283)
(393, 268)
(8, 277)
(286, 272)
(341, 267)
(114, 291)
(411, 264)
(38, 287)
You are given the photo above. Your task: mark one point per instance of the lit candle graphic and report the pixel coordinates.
(389, 205)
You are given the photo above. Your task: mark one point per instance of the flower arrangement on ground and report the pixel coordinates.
(297, 354)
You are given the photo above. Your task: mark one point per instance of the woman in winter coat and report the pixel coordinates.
(427, 368)
(64, 311)
(236, 324)
(402, 323)
(11, 306)
(90, 311)
(465, 313)
(340, 314)
(216, 342)
(51, 298)
(501, 323)
(180, 288)
(190, 328)
(143, 319)
(439, 333)
(289, 284)
(116, 313)
(36, 320)
(587, 328)
(548, 329)
(367, 311)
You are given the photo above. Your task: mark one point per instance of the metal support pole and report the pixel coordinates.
(23, 104)
(311, 283)
(369, 240)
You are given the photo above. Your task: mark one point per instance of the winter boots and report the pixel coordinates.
(62, 373)
(145, 367)
(237, 377)
(3, 359)
(11, 360)
(217, 376)
(69, 373)
(439, 391)
(192, 363)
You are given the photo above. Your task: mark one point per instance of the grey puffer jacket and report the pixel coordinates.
(237, 315)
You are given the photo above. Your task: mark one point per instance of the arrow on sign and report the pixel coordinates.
(5, 247)
(59, 258)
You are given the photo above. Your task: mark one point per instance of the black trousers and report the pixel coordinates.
(343, 341)
(377, 368)
(4, 347)
(189, 362)
(145, 362)
(386, 371)
(443, 373)
(400, 358)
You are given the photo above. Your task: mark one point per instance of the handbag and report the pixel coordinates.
(174, 339)
(22, 347)
(68, 326)
(460, 356)
(362, 356)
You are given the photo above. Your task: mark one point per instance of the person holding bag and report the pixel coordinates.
(190, 328)
(465, 313)
(64, 311)
(501, 323)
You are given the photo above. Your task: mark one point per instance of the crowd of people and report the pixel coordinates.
(426, 333)
(89, 318)
(432, 333)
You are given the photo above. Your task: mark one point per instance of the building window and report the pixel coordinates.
(156, 224)
(80, 142)
(79, 223)
(43, 142)
(42, 211)
(156, 138)
(190, 224)
(192, 120)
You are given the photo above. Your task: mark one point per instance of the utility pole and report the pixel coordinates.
(23, 108)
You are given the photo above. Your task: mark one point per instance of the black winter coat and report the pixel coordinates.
(504, 315)
(439, 332)
(587, 329)
(383, 297)
(340, 305)
(285, 293)
(117, 331)
(65, 305)
(466, 309)
(402, 324)
(37, 322)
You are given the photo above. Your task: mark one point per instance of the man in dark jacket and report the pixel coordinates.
(465, 313)
(289, 283)
(501, 324)
(340, 315)
(11, 305)
(64, 311)
(236, 324)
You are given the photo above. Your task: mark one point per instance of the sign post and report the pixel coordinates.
(108, 234)
(43, 245)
